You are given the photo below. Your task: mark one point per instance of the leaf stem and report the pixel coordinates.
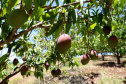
(88, 42)
(63, 23)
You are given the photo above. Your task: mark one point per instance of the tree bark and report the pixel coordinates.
(102, 56)
(118, 57)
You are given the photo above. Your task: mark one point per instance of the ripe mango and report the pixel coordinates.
(93, 54)
(84, 59)
(112, 41)
(63, 43)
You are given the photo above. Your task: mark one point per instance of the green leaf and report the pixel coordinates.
(5, 30)
(27, 4)
(68, 23)
(40, 3)
(57, 2)
(99, 30)
(101, 38)
(74, 15)
(55, 27)
(93, 26)
(72, 1)
(66, 1)
(49, 16)
(81, 3)
(1, 75)
(77, 23)
(11, 4)
(100, 17)
(115, 2)
(4, 12)
(122, 2)
(76, 63)
(37, 12)
(96, 3)
(105, 13)
(68, 26)
(59, 30)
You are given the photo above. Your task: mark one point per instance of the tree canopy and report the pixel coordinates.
(83, 20)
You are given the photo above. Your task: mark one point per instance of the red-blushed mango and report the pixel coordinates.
(15, 61)
(106, 30)
(112, 41)
(46, 66)
(84, 59)
(56, 73)
(53, 72)
(24, 70)
(24, 58)
(93, 55)
(63, 43)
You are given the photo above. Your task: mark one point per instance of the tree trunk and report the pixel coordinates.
(118, 58)
(103, 57)
(64, 63)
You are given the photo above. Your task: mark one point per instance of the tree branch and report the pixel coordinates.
(106, 5)
(12, 74)
(9, 76)
(51, 2)
(74, 3)
(32, 28)
(12, 35)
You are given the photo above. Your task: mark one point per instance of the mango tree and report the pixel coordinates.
(18, 18)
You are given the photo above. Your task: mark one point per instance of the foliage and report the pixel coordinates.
(82, 20)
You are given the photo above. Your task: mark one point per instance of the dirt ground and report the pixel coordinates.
(84, 74)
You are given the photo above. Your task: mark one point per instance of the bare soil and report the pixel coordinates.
(84, 74)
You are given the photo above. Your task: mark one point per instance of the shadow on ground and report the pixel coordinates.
(81, 79)
(124, 81)
(112, 64)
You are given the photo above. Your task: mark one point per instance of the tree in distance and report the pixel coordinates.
(63, 43)
(112, 41)
(84, 59)
(15, 61)
(24, 70)
(56, 73)
(93, 55)
(106, 30)
(17, 18)
(46, 66)
(24, 58)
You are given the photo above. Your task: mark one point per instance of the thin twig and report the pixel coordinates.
(106, 5)
(51, 2)
(29, 34)
(74, 3)
(86, 20)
